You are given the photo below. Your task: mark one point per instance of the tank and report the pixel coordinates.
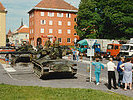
(22, 54)
(49, 63)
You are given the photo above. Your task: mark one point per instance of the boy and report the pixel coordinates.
(98, 67)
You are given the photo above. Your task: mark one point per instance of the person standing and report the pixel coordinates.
(81, 56)
(47, 43)
(127, 73)
(98, 67)
(111, 73)
(120, 72)
(77, 55)
(7, 58)
(74, 54)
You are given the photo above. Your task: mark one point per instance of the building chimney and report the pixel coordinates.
(22, 22)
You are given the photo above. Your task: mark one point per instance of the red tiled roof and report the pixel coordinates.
(23, 30)
(2, 8)
(20, 27)
(55, 4)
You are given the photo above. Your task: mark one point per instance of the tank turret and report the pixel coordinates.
(50, 62)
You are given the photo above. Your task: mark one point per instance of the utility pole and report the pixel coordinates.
(90, 53)
(90, 59)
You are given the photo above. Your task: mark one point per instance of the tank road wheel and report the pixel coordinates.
(41, 74)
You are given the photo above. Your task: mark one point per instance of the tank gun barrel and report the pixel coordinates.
(18, 52)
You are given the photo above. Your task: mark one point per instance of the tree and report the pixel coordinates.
(117, 16)
(88, 19)
(113, 19)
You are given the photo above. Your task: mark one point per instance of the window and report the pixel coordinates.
(60, 40)
(30, 31)
(59, 31)
(125, 47)
(68, 15)
(59, 22)
(50, 30)
(42, 13)
(50, 22)
(116, 47)
(110, 47)
(59, 14)
(43, 22)
(75, 19)
(68, 40)
(75, 26)
(50, 14)
(42, 30)
(69, 31)
(69, 23)
(75, 33)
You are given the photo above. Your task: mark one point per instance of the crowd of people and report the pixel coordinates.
(76, 54)
(124, 69)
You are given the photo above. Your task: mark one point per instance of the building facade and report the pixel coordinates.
(2, 25)
(19, 36)
(53, 18)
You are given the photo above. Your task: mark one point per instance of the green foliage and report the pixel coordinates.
(8, 92)
(105, 19)
(88, 18)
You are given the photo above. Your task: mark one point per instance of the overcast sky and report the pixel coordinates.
(18, 9)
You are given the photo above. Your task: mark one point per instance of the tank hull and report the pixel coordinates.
(54, 69)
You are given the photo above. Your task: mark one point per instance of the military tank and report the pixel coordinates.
(50, 64)
(22, 54)
(19, 54)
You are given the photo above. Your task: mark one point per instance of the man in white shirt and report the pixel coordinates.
(111, 73)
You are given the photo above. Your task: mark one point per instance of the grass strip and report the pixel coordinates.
(9, 92)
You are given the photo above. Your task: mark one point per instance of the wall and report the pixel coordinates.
(19, 36)
(2, 29)
(35, 24)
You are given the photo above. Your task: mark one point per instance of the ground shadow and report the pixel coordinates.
(106, 84)
(58, 76)
(88, 80)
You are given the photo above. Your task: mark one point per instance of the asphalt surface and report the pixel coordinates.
(22, 75)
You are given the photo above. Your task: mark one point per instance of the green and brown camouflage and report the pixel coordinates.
(48, 44)
(52, 62)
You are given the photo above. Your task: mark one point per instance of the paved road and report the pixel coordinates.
(23, 75)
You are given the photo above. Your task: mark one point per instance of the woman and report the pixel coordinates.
(127, 75)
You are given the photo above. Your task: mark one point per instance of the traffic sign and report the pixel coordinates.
(90, 52)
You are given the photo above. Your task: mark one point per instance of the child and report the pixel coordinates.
(98, 68)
